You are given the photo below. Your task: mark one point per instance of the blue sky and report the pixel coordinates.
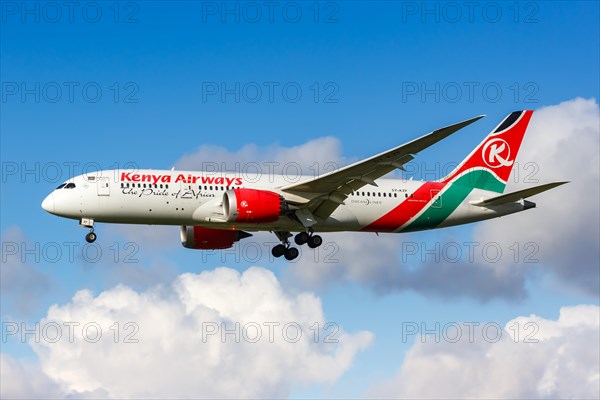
(371, 75)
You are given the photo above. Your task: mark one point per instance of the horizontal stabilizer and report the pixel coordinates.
(516, 196)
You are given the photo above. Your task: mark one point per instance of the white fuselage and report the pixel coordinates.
(195, 199)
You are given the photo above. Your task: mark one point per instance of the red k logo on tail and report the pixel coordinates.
(496, 153)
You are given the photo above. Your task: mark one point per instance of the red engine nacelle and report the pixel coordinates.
(197, 237)
(252, 205)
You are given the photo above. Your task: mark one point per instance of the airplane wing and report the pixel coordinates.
(329, 190)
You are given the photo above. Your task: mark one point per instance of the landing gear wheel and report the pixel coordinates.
(90, 237)
(315, 241)
(278, 250)
(301, 238)
(291, 253)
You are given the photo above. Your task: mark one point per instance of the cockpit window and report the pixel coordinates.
(60, 186)
(70, 185)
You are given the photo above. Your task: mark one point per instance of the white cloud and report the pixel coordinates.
(313, 157)
(19, 272)
(383, 263)
(22, 380)
(564, 363)
(350, 257)
(174, 359)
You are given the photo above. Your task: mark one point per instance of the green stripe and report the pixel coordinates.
(453, 197)
(483, 179)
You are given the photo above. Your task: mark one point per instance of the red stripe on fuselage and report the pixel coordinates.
(404, 211)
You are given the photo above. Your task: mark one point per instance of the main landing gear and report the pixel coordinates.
(289, 252)
(89, 223)
(285, 250)
(313, 241)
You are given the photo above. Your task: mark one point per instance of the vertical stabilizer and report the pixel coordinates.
(489, 165)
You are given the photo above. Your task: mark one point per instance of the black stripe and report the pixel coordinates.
(508, 121)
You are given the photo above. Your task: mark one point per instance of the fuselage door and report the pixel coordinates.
(103, 186)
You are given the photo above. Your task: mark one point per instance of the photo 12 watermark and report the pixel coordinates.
(52, 252)
(53, 172)
(469, 92)
(469, 252)
(250, 251)
(271, 12)
(521, 172)
(270, 92)
(269, 332)
(71, 12)
(454, 12)
(469, 331)
(70, 92)
(267, 171)
(51, 332)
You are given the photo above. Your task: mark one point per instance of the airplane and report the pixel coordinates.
(215, 210)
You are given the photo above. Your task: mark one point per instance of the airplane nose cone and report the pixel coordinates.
(48, 203)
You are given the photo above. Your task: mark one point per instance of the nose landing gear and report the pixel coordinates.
(90, 237)
(89, 223)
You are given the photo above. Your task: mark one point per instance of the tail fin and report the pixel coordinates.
(488, 166)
